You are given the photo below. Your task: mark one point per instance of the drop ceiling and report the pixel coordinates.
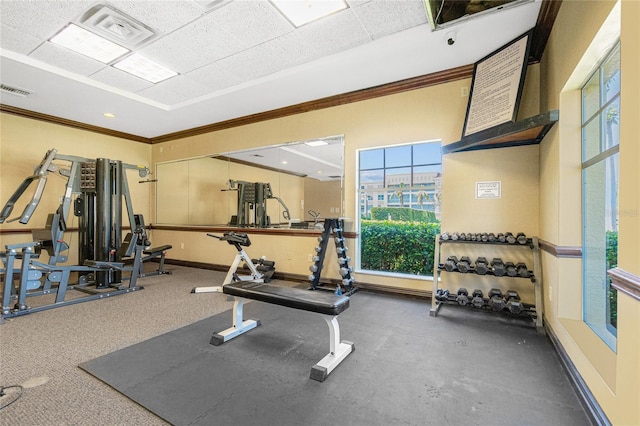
(234, 58)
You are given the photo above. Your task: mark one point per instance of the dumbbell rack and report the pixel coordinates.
(332, 226)
(535, 275)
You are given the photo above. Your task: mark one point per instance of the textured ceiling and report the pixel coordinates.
(238, 59)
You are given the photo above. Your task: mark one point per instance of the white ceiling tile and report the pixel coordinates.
(185, 86)
(18, 41)
(160, 94)
(41, 18)
(223, 32)
(66, 59)
(267, 58)
(120, 79)
(214, 76)
(335, 33)
(384, 17)
(162, 16)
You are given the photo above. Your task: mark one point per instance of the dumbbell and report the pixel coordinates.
(442, 295)
(496, 301)
(478, 298)
(474, 237)
(482, 267)
(445, 236)
(510, 238)
(450, 263)
(484, 237)
(455, 236)
(522, 270)
(318, 249)
(342, 250)
(320, 239)
(498, 267)
(463, 296)
(313, 268)
(511, 269)
(514, 305)
(491, 237)
(338, 240)
(344, 271)
(521, 238)
(343, 260)
(347, 282)
(463, 237)
(464, 264)
(501, 238)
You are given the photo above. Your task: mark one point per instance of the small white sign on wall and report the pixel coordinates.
(486, 190)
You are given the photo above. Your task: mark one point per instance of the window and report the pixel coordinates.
(397, 232)
(600, 155)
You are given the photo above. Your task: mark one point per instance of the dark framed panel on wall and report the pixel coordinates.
(496, 86)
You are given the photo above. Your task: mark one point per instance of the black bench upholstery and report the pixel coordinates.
(308, 300)
(157, 249)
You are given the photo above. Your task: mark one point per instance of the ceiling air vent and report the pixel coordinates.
(14, 90)
(116, 26)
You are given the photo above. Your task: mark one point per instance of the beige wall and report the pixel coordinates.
(541, 184)
(427, 114)
(575, 45)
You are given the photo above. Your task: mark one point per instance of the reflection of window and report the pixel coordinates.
(404, 181)
(600, 159)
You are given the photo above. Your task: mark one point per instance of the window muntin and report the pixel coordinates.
(398, 177)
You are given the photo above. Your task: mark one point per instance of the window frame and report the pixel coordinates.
(591, 159)
(359, 194)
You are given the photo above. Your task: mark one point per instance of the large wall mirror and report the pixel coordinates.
(293, 185)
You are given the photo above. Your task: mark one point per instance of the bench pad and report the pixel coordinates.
(308, 300)
(157, 249)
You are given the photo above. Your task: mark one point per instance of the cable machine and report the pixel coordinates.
(101, 188)
(252, 204)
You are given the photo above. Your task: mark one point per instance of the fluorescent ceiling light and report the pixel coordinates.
(144, 68)
(301, 12)
(316, 143)
(89, 44)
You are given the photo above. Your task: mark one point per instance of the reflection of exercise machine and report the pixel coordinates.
(100, 187)
(252, 204)
(261, 270)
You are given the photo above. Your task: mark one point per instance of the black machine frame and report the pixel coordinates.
(101, 190)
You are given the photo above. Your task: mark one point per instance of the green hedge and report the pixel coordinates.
(404, 247)
(612, 262)
(403, 214)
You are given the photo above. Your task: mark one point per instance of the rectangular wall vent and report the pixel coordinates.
(14, 90)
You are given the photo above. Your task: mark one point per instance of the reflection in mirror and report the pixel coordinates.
(292, 185)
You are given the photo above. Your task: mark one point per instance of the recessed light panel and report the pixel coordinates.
(89, 44)
(301, 12)
(144, 68)
(316, 143)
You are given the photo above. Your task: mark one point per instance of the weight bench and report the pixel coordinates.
(326, 304)
(152, 253)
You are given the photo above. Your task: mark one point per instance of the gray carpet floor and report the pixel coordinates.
(152, 347)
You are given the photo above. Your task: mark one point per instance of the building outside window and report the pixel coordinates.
(600, 170)
(399, 205)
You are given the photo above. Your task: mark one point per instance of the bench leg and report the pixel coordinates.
(239, 326)
(337, 351)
